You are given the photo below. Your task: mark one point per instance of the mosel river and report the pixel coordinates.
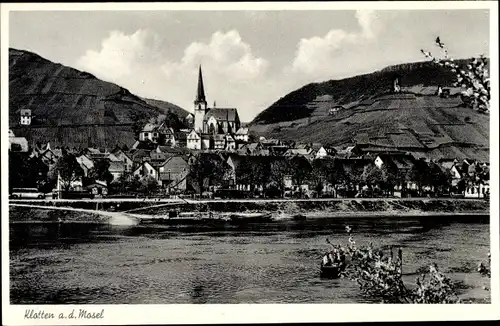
(277, 262)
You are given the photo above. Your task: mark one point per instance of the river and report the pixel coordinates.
(278, 262)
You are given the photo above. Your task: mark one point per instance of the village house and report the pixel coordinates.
(125, 158)
(145, 170)
(242, 135)
(250, 149)
(117, 169)
(230, 143)
(335, 110)
(193, 140)
(25, 117)
(157, 134)
(304, 151)
(189, 120)
(179, 139)
(17, 144)
(85, 163)
(173, 173)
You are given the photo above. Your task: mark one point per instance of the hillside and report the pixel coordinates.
(414, 120)
(294, 105)
(74, 108)
(166, 107)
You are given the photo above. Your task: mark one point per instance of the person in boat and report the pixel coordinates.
(335, 256)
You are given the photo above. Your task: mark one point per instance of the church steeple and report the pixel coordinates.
(200, 94)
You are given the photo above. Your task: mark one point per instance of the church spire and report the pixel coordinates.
(200, 94)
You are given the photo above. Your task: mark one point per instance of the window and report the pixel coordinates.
(150, 171)
(146, 134)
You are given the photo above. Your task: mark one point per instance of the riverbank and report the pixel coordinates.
(280, 209)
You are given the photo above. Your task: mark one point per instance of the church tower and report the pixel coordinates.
(200, 105)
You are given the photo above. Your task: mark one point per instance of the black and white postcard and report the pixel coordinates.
(249, 162)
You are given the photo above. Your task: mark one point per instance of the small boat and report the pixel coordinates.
(329, 269)
(251, 218)
(332, 271)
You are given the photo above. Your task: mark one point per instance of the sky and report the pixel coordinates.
(249, 58)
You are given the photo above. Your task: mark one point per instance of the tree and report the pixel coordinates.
(18, 168)
(372, 175)
(149, 185)
(418, 173)
(318, 175)
(100, 171)
(69, 170)
(300, 168)
(279, 169)
(379, 275)
(474, 79)
(209, 167)
(440, 180)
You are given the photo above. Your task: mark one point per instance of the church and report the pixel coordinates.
(214, 128)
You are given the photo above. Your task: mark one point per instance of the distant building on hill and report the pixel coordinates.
(25, 117)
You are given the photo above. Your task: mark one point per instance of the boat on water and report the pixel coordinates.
(333, 263)
(332, 271)
(250, 217)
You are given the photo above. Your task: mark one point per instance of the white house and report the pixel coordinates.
(146, 170)
(17, 144)
(85, 163)
(242, 135)
(193, 140)
(25, 117)
(219, 141)
(230, 143)
(122, 156)
(477, 191)
(321, 153)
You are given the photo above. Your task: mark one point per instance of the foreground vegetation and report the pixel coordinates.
(379, 275)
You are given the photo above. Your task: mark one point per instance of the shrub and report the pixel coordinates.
(379, 275)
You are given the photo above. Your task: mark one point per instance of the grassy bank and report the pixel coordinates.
(347, 207)
(283, 208)
(26, 214)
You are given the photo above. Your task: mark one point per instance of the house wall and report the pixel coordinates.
(193, 143)
(476, 191)
(25, 120)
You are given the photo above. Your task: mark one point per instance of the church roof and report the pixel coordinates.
(224, 114)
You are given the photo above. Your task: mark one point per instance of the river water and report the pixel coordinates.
(276, 262)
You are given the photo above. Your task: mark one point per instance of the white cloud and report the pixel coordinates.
(119, 54)
(233, 74)
(318, 56)
(226, 56)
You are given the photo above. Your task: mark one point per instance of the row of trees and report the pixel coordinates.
(342, 175)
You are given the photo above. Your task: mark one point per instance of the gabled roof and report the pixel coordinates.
(219, 137)
(242, 131)
(224, 114)
(138, 154)
(149, 127)
(180, 136)
(116, 166)
(297, 151)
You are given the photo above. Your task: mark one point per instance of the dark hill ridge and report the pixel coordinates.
(424, 125)
(415, 120)
(167, 107)
(293, 106)
(74, 108)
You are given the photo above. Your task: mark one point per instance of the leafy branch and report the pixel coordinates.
(475, 78)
